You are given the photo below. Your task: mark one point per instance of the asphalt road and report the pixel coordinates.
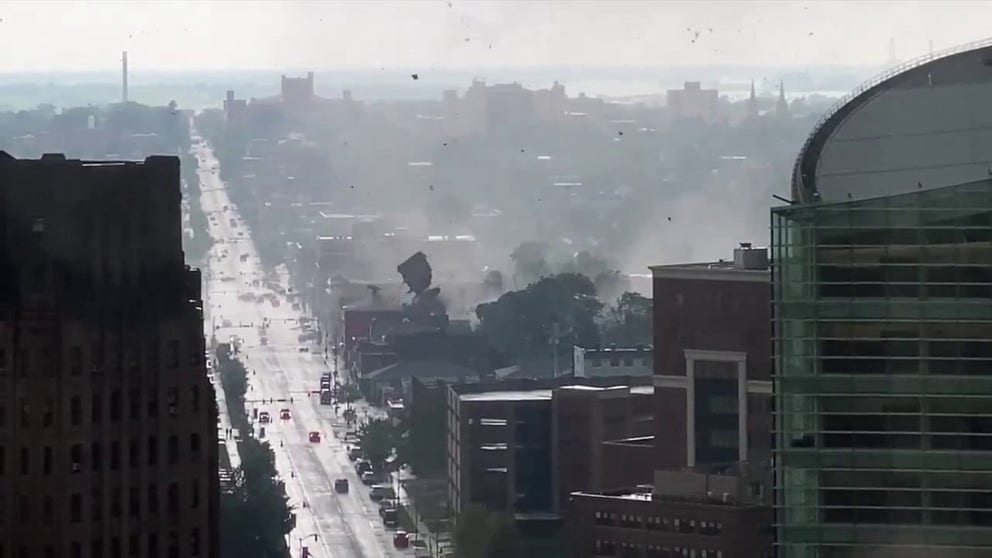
(345, 525)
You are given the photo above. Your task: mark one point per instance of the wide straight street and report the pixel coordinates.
(242, 302)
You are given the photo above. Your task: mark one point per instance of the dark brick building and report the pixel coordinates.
(107, 418)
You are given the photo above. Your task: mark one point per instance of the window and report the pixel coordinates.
(173, 449)
(96, 548)
(173, 354)
(76, 550)
(173, 544)
(153, 499)
(152, 450)
(3, 415)
(76, 508)
(25, 364)
(96, 456)
(48, 413)
(152, 403)
(173, 401)
(134, 404)
(76, 361)
(133, 546)
(24, 509)
(115, 503)
(194, 351)
(194, 542)
(173, 498)
(153, 545)
(3, 461)
(194, 399)
(46, 460)
(115, 455)
(153, 354)
(48, 509)
(133, 502)
(96, 357)
(96, 410)
(115, 406)
(194, 444)
(115, 547)
(25, 413)
(96, 504)
(194, 494)
(76, 458)
(133, 453)
(3, 362)
(76, 410)
(25, 460)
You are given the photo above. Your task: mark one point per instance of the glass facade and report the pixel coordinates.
(883, 375)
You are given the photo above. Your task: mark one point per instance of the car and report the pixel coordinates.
(368, 478)
(263, 417)
(387, 504)
(401, 539)
(304, 349)
(391, 517)
(284, 414)
(363, 465)
(341, 486)
(354, 452)
(381, 492)
(314, 437)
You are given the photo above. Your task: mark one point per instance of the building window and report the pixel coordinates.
(115, 503)
(723, 438)
(133, 502)
(46, 460)
(48, 509)
(115, 455)
(76, 549)
(96, 548)
(173, 449)
(153, 354)
(3, 362)
(173, 545)
(96, 456)
(194, 494)
(194, 399)
(194, 445)
(75, 410)
(153, 545)
(25, 363)
(134, 404)
(48, 413)
(96, 357)
(24, 511)
(194, 542)
(76, 508)
(133, 453)
(76, 458)
(173, 354)
(25, 460)
(76, 361)
(173, 498)
(115, 406)
(96, 504)
(152, 403)
(153, 499)
(133, 546)
(115, 547)
(173, 401)
(3, 462)
(96, 410)
(152, 450)
(25, 412)
(3, 415)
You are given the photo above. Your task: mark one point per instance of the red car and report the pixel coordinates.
(315, 437)
(401, 539)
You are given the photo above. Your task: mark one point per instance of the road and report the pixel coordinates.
(345, 525)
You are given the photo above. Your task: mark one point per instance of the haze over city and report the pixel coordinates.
(545, 279)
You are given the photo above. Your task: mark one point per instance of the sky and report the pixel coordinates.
(52, 36)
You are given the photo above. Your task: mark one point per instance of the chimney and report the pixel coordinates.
(124, 76)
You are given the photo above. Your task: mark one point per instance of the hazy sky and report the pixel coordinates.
(419, 36)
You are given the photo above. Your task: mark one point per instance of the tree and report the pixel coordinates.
(521, 323)
(483, 534)
(255, 514)
(629, 321)
(379, 439)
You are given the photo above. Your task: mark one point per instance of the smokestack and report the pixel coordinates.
(124, 75)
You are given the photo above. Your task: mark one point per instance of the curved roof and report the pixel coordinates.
(924, 124)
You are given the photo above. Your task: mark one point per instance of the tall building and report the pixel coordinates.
(107, 419)
(692, 102)
(883, 322)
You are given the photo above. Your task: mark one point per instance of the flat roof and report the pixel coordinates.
(545, 394)
(715, 271)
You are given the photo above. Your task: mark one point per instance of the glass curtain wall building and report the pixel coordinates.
(883, 384)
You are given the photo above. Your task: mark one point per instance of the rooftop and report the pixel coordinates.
(545, 394)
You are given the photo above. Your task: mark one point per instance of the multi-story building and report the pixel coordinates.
(107, 418)
(712, 332)
(692, 102)
(883, 321)
(612, 361)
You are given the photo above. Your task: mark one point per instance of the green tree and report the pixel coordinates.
(483, 534)
(379, 439)
(255, 513)
(629, 321)
(522, 323)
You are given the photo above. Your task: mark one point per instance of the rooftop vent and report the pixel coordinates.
(748, 257)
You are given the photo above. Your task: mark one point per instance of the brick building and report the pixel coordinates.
(107, 418)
